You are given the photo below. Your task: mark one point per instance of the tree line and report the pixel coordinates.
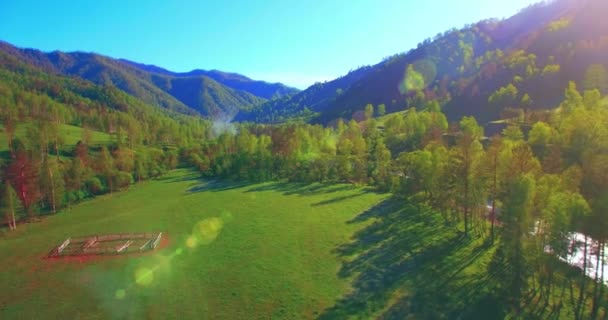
(526, 190)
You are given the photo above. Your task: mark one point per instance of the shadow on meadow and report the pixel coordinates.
(408, 264)
(286, 188)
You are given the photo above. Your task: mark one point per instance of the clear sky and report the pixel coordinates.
(295, 42)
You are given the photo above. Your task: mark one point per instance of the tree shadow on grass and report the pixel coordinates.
(408, 264)
(338, 199)
(305, 189)
(217, 186)
(286, 188)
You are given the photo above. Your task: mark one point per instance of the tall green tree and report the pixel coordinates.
(467, 158)
(510, 261)
(51, 183)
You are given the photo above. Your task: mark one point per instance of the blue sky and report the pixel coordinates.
(295, 42)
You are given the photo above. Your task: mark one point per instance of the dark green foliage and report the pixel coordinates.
(210, 93)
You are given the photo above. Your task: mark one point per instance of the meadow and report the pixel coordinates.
(70, 134)
(235, 252)
(252, 251)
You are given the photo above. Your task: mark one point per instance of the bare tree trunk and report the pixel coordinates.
(597, 284)
(466, 202)
(52, 181)
(580, 305)
(11, 205)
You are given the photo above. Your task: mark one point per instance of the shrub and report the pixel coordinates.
(94, 186)
(122, 180)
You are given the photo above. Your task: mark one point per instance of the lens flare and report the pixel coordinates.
(191, 242)
(418, 76)
(144, 276)
(206, 231)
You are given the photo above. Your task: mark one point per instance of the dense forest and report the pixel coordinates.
(508, 142)
(532, 54)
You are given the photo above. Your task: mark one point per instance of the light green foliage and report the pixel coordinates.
(381, 110)
(526, 101)
(470, 127)
(573, 98)
(592, 99)
(550, 69)
(412, 80)
(559, 24)
(52, 184)
(369, 111)
(504, 96)
(539, 137)
(513, 133)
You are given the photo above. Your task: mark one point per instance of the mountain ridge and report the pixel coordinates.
(155, 85)
(537, 51)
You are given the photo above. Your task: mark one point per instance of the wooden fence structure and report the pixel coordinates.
(107, 244)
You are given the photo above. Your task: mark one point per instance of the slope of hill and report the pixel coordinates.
(484, 69)
(236, 81)
(317, 98)
(210, 93)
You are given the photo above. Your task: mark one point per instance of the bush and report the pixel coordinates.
(122, 180)
(94, 186)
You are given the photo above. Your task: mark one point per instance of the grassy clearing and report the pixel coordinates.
(254, 251)
(274, 255)
(71, 135)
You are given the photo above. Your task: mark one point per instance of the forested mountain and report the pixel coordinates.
(484, 69)
(237, 81)
(304, 104)
(209, 93)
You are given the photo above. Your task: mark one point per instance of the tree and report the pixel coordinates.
(9, 116)
(369, 111)
(539, 138)
(75, 176)
(22, 172)
(561, 212)
(381, 110)
(495, 172)
(509, 264)
(380, 173)
(573, 98)
(105, 167)
(504, 97)
(467, 158)
(51, 183)
(8, 201)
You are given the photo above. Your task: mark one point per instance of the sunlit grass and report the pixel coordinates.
(236, 251)
(70, 135)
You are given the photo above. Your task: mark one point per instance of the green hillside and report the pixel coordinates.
(68, 133)
(468, 70)
(209, 93)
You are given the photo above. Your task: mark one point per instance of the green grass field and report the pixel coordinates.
(259, 251)
(252, 251)
(71, 135)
